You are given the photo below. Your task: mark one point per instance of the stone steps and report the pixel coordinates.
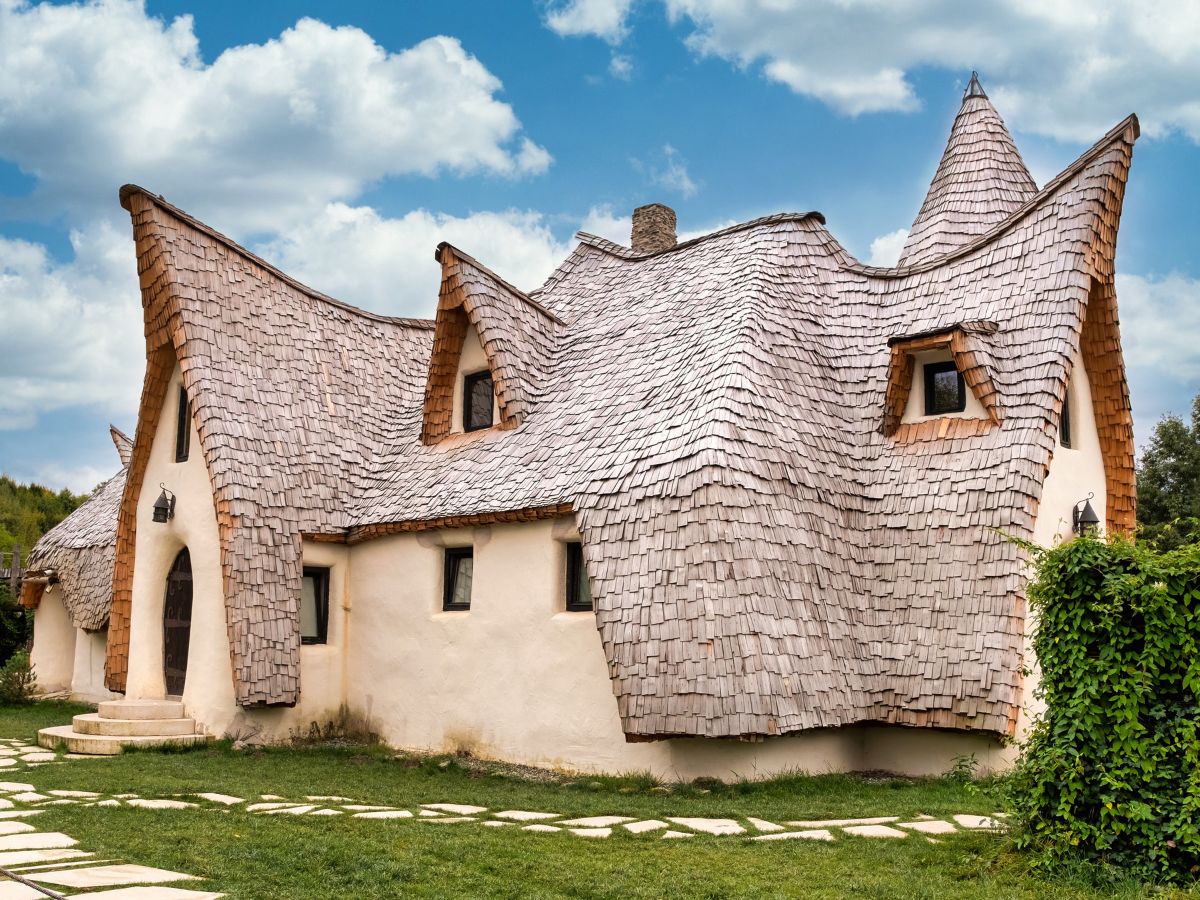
(124, 723)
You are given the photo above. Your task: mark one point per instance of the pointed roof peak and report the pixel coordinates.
(980, 180)
(974, 88)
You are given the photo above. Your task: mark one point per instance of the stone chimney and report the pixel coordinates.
(653, 228)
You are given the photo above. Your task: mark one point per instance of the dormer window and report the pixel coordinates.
(478, 400)
(945, 391)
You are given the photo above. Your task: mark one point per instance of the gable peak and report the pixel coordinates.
(974, 88)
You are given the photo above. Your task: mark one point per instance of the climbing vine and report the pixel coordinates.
(1111, 772)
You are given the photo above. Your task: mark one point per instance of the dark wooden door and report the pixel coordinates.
(177, 623)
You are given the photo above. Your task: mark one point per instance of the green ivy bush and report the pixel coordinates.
(17, 682)
(1111, 772)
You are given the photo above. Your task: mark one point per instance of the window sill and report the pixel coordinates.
(447, 614)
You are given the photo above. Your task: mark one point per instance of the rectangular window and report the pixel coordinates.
(579, 594)
(183, 427)
(478, 399)
(314, 606)
(1064, 424)
(945, 391)
(457, 576)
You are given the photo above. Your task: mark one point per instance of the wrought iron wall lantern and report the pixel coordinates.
(1083, 517)
(164, 506)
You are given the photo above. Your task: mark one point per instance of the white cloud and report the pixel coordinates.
(672, 174)
(886, 249)
(605, 19)
(77, 479)
(386, 265)
(1160, 318)
(620, 67)
(100, 93)
(72, 332)
(1068, 69)
(604, 222)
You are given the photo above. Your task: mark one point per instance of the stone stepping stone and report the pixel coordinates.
(126, 796)
(985, 823)
(107, 876)
(63, 802)
(359, 807)
(492, 823)
(929, 826)
(7, 751)
(523, 815)
(11, 890)
(15, 827)
(11, 786)
(597, 821)
(149, 893)
(385, 814)
(289, 811)
(28, 797)
(590, 832)
(38, 757)
(875, 831)
(28, 857)
(326, 812)
(6, 762)
(225, 799)
(263, 807)
(429, 813)
(331, 799)
(271, 797)
(763, 825)
(538, 826)
(646, 825)
(72, 793)
(5, 804)
(19, 813)
(709, 826)
(842, 823)
(448, 820)
(160, 804)
(41, 840)
(671, 835)
(108, 803)
(815, 834)
(81, 756)
(460, 808)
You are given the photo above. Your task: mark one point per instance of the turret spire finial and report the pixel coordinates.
(974, 88)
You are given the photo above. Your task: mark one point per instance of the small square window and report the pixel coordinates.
(1064, 423)
(183, 427)
(478, 399)
(314, 606)
(579, 594)
(945, 391)
(457, 576)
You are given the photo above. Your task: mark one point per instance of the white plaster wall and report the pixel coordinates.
(1075, 472)
(53, 653)
(471, 360)
(914, 409)
(87, 677)
(208, 690)
(517, 678)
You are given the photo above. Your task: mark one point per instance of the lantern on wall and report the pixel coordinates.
(1083, 517)
(164, 506)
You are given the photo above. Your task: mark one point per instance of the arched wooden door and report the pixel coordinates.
(177, 623)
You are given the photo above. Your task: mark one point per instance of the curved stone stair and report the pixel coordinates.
(124, 723)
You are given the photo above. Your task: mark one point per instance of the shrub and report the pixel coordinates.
(1111, 772)
(17, 682)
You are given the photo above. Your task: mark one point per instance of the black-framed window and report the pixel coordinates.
(945, 391)
(183, 427)
(579, 594)
(314, 605)
(478, 399)
(458, 573)
(1064, 423)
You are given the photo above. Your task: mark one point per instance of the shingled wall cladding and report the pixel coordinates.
(763, 558)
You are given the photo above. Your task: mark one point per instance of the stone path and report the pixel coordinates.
(17, 755)
(17, 799)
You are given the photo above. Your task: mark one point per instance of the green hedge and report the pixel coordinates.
(1111, 773)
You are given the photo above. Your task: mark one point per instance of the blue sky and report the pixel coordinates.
(343, 140)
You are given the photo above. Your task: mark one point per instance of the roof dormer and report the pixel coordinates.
(488, 336)
(938, 377)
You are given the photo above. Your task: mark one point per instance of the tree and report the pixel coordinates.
(1168, 481)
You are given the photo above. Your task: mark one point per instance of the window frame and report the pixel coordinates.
(930, 371)
(451, 559)
(320, 576)
(469, 382)
(576, 570)
(183, 426)
(1064, 422)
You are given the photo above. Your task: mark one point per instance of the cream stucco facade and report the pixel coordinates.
(516, 677)
(67, 659)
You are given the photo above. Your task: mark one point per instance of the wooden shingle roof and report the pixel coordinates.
(764, 557)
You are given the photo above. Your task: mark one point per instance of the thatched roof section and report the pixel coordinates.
(764, 557)
(980, 181)
(77, 553)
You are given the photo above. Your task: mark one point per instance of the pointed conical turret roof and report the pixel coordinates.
(980, 181)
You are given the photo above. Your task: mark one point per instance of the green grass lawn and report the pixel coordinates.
(257, 856)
